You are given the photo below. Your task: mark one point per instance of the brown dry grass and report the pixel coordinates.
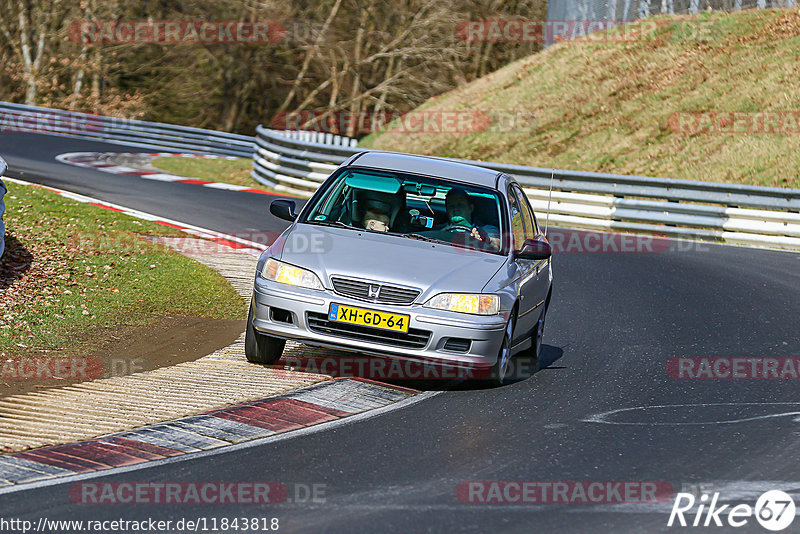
(611, 106)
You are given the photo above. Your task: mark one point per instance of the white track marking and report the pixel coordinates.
(602, 418)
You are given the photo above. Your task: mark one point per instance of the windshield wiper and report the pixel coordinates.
(425, 238)
(338, 224)
(443, 242)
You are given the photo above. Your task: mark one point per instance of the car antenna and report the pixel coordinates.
(549, 198)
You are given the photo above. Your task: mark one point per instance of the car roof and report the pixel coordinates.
(438, 167)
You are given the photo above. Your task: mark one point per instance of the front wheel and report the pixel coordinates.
(261, 348)
(499, 371)
(535, 351)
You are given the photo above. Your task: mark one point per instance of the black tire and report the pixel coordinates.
(534, 352)
(258, 347)
(498, 374)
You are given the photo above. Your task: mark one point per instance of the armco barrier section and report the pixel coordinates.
(730, 213)
(324, 138)
(3, 168)
(151, 135)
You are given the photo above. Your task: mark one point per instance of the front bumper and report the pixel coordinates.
(307, 309)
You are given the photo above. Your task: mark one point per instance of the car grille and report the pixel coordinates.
(413, 339)
(386, 294)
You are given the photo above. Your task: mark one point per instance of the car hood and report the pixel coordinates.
(431, 267)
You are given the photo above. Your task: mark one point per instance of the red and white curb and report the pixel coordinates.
(320, 403)
(234, 243)
(249, 424)
(98, 161)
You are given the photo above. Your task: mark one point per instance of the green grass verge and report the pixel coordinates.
(89, 268)
(612, 106)
(235, 171)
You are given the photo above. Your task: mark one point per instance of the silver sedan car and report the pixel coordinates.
(407, 257)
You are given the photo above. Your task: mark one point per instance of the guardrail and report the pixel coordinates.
(151, 135)
(731, 213)
(145, 134)
(319, 137)
(3, 190)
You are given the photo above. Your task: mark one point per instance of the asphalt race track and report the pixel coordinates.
(616, 320)
(31, 157)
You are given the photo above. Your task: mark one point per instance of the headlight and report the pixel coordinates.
(277, 271)
(466, 303)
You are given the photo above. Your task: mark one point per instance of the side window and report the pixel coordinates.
(528, 207)
(517, 224)
(531, 228)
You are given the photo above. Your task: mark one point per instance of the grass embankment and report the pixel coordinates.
(70, 270)
(236, 171)
(617, 106)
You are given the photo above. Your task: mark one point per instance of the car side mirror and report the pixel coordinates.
(535, 249)
(283, 209)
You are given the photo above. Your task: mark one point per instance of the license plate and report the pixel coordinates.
(375, 319)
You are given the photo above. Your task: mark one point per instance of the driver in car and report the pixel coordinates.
(376, 215)
(460, 210)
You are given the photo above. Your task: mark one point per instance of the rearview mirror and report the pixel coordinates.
(283, 209)
(423, 190)
(535, 249)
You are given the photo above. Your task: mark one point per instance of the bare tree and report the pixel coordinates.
(355, 56)
(29, 26)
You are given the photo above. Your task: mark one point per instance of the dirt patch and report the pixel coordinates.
(125, 350)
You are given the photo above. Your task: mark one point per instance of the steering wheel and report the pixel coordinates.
(457, 228)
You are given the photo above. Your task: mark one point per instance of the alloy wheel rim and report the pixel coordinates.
(505, 351)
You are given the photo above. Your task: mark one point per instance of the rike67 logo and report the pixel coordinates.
(774, 510)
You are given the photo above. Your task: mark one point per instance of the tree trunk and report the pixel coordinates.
(310, 53)
(355, 104)
(27, 60)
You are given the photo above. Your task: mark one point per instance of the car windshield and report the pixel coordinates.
(413, 206)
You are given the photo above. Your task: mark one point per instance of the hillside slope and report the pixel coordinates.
(637, 107)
